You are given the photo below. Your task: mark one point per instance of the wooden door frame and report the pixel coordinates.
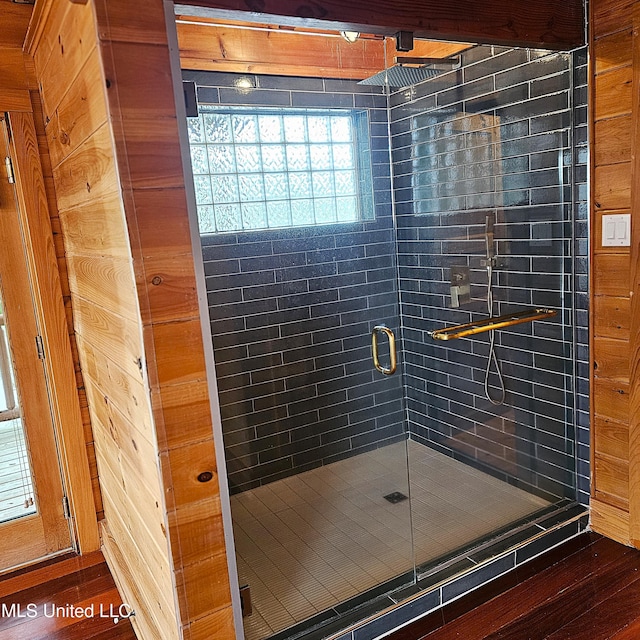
(50, 311)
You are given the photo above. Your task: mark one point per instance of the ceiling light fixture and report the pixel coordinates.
(350, 36)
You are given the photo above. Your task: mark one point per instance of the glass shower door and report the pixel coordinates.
(482, 182)
(298, 239)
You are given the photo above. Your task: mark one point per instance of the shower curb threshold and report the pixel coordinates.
(389, 608)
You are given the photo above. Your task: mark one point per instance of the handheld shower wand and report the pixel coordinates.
(490, 264)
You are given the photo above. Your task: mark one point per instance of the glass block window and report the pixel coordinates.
(265, 168)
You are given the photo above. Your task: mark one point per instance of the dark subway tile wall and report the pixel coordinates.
(292, 312)
(501, 138)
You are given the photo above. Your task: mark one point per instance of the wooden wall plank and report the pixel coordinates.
(184, 414)
(15, 22)
(121, 550)
(612, 186)
(610, 16)
(611, 400)
(612, 92)
(108, 280)
(81, 111)
(87, 175)
(612, 51)
(115, 337)
(62, 51)
(612, 317)
(117, 386)
(14, 80)
(215, 625)
(194, 534)
(89, 230)
(612, 141)
(611, 359)
(610, 521)
(610, 274)
(13, 72)
(611, 438)
(229, 47)
(612, 478)
(171, 287)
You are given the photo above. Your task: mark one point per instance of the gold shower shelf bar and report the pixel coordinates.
(490, 324)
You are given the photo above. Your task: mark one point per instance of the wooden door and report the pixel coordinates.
(32, 525)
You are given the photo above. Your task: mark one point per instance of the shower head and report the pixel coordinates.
(408, 71)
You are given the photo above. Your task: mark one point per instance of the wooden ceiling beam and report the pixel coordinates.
(546, 23)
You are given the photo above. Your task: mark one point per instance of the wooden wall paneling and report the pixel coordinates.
(219, 45)
(70, 126)
(613, 93)
(142, 111)
(15, 22)
(634, 343)
(236, 50)
(612, 82)
(612, 142)
(88, 174)
(54, 329)
(62, 50)
(613, 520)
(105, 279)
(610, 274)
(127, 392)
(612, 186)
(611, 438)
(545, 24)
(106, 310)
(612, 480)
(613, 50)
(611, 358)
(611, 400)
(612, 317)
(171, 286)
(13, 80)
(89, 230)
(610, 16)
(153, 617)
(186, 404)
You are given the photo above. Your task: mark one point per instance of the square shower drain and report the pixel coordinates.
(395, 497)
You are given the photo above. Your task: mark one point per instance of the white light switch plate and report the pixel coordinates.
(616, 230)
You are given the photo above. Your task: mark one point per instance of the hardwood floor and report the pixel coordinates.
(586, 589)
(590, 591)
(73, 598)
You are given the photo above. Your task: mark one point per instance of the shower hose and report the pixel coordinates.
(492, 347)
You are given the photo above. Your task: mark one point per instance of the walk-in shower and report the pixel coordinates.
(364, 456)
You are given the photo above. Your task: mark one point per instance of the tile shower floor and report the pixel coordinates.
(308, 542)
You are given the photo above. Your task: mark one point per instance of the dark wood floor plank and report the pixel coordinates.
(96, 581)
(630, 632)
(605, 619)
(42, 573)
(533, 593)
(570, 603)
(81, 583)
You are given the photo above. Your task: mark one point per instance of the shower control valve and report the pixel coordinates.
(489, 262)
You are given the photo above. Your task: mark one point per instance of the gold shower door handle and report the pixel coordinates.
(392, 350)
